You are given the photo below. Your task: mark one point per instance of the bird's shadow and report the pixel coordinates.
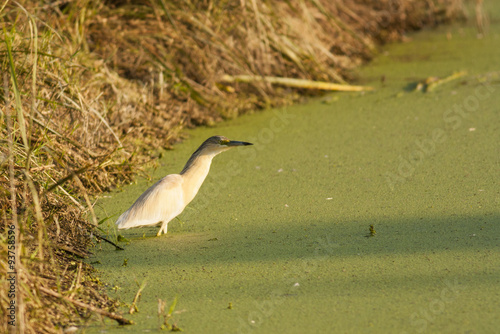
(316, 238)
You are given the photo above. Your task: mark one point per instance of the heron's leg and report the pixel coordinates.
(163, 229)
(159, 231)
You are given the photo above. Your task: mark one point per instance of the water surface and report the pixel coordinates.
(280, 230)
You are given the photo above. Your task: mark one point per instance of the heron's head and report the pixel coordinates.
(211, 147)
(218, 144)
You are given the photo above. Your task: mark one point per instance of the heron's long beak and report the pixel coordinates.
(238, 143)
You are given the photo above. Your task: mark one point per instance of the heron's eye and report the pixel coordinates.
(224, 142)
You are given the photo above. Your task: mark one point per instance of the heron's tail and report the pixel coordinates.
(121, 222)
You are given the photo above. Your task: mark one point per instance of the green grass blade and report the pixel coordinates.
(15, 88)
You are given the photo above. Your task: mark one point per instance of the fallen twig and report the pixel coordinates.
(71, 251)
(297, 83)
(121, 320)
(108, 241)
(431, 86)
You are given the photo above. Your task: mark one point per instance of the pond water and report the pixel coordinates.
(281, 230)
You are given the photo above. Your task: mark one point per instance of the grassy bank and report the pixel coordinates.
(92, 91)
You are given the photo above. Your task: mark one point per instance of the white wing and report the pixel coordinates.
(162, 202)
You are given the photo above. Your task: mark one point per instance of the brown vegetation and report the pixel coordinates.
(90, 88)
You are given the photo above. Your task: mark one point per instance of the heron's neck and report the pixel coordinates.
(194, 175)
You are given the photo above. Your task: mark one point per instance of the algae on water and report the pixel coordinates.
(282, 240)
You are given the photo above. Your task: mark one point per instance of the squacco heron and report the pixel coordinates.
(167, 198)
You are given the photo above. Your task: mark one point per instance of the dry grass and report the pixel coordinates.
(91, 88)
